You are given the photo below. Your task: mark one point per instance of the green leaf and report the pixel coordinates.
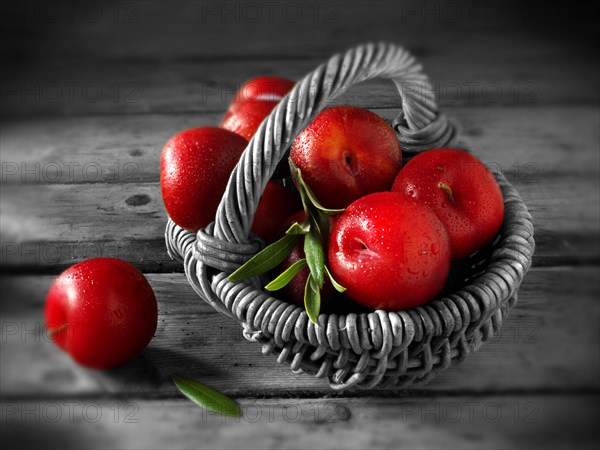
(312, 299)
(323, 222)
(315, 257)
(299, 228)
(338, 287)
(265, 260)
(206, 396)
(315, 225)
(309, 209)
(288, 275)
(313, 199)
(306, 191)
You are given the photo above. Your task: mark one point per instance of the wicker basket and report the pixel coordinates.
(379, 348)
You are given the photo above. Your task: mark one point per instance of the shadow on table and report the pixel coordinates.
(151, 370)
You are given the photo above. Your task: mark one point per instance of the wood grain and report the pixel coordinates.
(549, 341)
(238, 42)
(524, 422)
(47, 227)
(75, 67)
(97, 99)
(125, 87)
(528, 142)
(272, 30)
(84, 187)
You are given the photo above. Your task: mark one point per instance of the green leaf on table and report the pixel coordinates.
(205, 396)
(288, 275)
(315, 257)
(265, 260)
(337, 286)
(312, 299)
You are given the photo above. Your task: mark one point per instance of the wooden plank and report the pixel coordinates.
(524, 422)
(528, 142)
(116, 61)
(550, 154)
(48, 227)
(552, 160)
(549, 342)
(138, 28)
(185, 22)
(75, 66)
(465, 74)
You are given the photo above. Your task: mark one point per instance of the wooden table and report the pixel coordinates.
(90, 93)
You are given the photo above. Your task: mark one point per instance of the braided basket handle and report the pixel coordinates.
(470, 315)
(419, 125)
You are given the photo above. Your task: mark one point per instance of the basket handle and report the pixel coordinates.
(419, 125)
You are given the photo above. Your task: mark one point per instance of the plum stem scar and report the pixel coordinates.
(446, 189)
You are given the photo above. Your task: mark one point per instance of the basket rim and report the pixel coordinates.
(437, 301)
(521, 255)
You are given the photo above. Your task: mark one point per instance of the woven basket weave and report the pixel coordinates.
(379, 348)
